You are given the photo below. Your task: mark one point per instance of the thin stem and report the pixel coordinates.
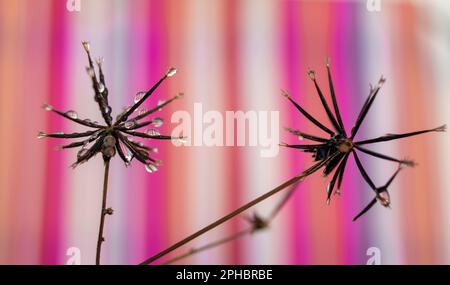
(103, 213)
(210, 245)
(240, 233)
(236, 212)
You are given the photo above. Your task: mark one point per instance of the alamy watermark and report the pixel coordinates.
(73, 5)
(74, 254)
(236, 128)
(375, 256)
(373, 5)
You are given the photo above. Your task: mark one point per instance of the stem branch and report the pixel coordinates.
(103, 213)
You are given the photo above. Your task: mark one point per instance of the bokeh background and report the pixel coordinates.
(230, 55)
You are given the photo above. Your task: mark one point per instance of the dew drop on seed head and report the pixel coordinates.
(160, 103)
(384, 198)
(151, 168)
(47, 107)
(157, 122)
(90, 71)
(101, 87)
(59, 133)
(142, 112)
(300, 138)
(152, 132)
(107, 109)
(139, 96)
(128, 156)
(153, 149)
(72, 114)
(41, 135)
(171, 72)
(130, 124)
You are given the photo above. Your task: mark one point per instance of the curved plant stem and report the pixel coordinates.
(103, 213)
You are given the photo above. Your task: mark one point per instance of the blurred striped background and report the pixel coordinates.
(230, 55)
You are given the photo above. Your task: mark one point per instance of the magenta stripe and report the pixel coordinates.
(53, 215)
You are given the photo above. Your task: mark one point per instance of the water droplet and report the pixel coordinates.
(87, 121)
(141, 144)
(41, 135)
(153, 149)
(109, 141)
(130, 139)
(90, 71)
(152, 132)
(300, 138)
(47, 107)
(101, 87)
(151, 168)
(157, 122)
(171, 72)
(128, 156)
(142, 112)
(384, 198)
(139, 96)
(107, 109)
(160, 103)
(59, 133)
(130, 124)
(72, 114)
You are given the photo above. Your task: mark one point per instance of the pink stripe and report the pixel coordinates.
(51, 239)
